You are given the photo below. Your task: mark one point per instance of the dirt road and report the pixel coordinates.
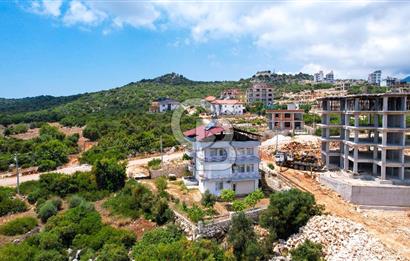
(391, 227)
(11, 181)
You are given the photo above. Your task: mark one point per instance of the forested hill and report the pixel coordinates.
(34, 103)
(134, 97)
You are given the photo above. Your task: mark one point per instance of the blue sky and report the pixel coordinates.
(64, 47)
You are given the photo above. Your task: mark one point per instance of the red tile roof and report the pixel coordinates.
(227, 102)
(210, 98)
(201, 133)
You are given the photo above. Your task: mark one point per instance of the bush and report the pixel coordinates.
(8, 205)
(195, 213)
(161, 183)
(109, 174)
(29, 187)
(253, 198)
(47, 210)
(288, 211)
(75, 201)
(47, 165)
(111, 252)
(238, 205)
(307, 251)
(208, 199)
(154, 164)
(227, 195)
(186, 157)
(18, 226)
(243, 239)
(161, 212)
(271, 166)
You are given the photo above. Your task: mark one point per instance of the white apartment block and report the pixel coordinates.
(227, 107)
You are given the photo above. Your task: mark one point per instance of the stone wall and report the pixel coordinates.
(216, 228)
(170, 168)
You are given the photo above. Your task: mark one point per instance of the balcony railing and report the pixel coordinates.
(231, 176)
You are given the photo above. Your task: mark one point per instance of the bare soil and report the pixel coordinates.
(391, 227)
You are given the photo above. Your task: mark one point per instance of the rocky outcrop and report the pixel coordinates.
(341, 239)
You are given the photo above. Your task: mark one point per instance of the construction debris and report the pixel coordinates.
(341, 239)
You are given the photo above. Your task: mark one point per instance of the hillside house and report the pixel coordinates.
(290, 119)
(163, 104)
(234, 94)
(227, 107)
(224, 158)
(260, 92)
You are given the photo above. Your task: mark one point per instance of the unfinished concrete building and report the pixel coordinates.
(368, 135)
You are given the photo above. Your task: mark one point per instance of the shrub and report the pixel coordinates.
(307, 251)
(161, 184)
(253, 198)
(161, 212)
(208, 199)
(195, 213)
(154, 164)
(75, 201)
(227, 195)
(288, 211)
(47, 210)
(109, 174)
(238, 205)
(271, 166)
(57, 202)
(18, 226)
(29, 187)
(8, 205)
(113, 252)
(242, 237)
(50, 255)
(47, 165)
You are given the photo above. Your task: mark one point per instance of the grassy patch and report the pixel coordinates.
(18, 226)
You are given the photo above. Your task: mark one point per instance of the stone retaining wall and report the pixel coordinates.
(212, 229)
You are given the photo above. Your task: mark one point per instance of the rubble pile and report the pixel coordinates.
(341, 239)
(311, 148)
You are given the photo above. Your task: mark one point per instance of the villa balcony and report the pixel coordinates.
(229, 175)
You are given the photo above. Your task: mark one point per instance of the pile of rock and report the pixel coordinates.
(341, 239)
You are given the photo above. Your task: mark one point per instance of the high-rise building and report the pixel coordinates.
(330, 78)
(375, 78)
(318, 77)
(260, 92)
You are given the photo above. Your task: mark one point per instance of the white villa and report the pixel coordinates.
(224, 158)
(227, 107)
(163, 104)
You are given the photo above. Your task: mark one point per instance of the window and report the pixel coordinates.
(213, 152)
(241, 151)
(249, 151)
(249, 168)
(217, 152)
(219, 185)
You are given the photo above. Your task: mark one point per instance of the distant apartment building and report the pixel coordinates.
(367, 134)
(329, 77)
(290, 119)
(389, 82)
(227, 107)
(224, 158)
(318, 77)
(260, 92)
(234, 93)
(375, 78)
(163, 104)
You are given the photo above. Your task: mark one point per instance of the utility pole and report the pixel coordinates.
(17, 170)
(162, 156)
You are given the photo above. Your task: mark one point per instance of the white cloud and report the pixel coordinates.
(79, 13)
(350, 37)
(46, 7)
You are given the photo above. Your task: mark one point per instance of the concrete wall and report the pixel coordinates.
(383, 195)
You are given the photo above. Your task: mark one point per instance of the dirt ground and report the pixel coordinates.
(138, 226)
(391, 227)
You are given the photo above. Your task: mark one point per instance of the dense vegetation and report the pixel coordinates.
(307, 251)
(48, 151)
(18, 226)
(288, 211)
(136, 200)
(8, 203)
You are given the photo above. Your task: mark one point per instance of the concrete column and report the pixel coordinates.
(401, 173)
(355, 157)
(385, 104)
(384, 138)
(356, 120)
(346, 159)
(401, 169)
(356, 104)
(374, 170)
(356, 136)
(383, 172)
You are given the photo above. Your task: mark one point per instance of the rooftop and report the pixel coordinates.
(213, 132)
(226, 102)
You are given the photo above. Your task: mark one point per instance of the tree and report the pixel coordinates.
(238, 205)
(161, 212)
(161, 183)
(227, 195)
(47, 210)
(208, 199)
(253, 198)
(113, 252)
(307, 251)
(109, 174)
(288, 211)
(242, 237)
